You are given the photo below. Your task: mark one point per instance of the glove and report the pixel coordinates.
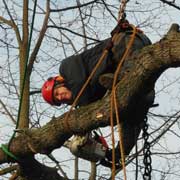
(107, 161)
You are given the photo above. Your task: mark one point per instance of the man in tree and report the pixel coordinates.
(75, 70)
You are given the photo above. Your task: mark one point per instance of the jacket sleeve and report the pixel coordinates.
(74, 73)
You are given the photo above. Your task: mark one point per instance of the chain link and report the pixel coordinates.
(146, 151)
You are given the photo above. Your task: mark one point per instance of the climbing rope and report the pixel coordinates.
(104, 54)
(121, 14)
(114, 104)
(113, 96)
(146, 151)
(113, 100)
(4, 147)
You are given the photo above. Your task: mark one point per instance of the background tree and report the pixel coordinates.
(59, 25)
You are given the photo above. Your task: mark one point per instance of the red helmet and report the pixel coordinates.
(48, 87)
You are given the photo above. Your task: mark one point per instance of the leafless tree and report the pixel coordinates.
(58, 26)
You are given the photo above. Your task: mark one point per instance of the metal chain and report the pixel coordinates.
(146, 151)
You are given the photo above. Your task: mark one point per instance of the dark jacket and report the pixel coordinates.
(76, 69)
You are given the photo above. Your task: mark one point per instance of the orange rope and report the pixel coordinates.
(113, 141)
(122, 9)
(104, 54)
(113, 102)
(114, 105)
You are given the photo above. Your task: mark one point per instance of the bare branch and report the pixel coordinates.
(66, 29)
(12, 24)
(7, 111)
(8, 169)
(74, 7)
(171, 4)
(40, 39)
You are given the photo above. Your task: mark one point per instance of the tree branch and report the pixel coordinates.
(75, 7)
(40, 39)
(171, 4)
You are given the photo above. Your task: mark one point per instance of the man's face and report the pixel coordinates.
(62, 95)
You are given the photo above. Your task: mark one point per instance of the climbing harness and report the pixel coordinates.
(4, 147)
(146, 151)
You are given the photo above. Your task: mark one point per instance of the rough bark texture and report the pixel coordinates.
(135, 80)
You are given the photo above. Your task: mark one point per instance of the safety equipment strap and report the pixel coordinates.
(114, 105)
(8, 153)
